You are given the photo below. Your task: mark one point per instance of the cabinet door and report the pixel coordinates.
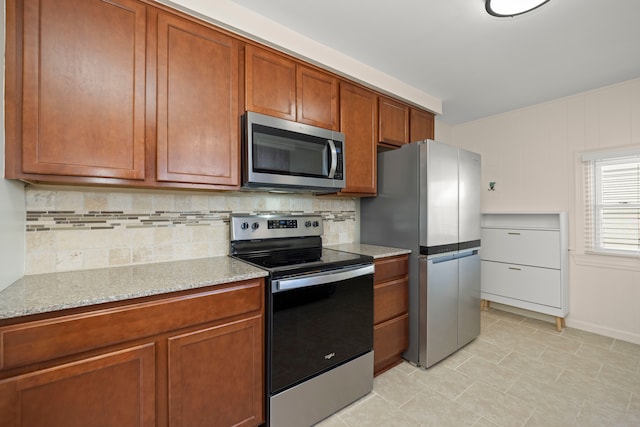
(270, 83)
(198, 116)
(317, 98)
(421, 125)
(84, 88)
(216, 376)
(359, 123)
(390, 339)
(394, 122)
(112, 390)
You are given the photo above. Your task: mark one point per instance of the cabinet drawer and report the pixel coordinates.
(390, 339)
(390, 299)
(42, 340)
(391, 268)
(531, 284)
(539, 248)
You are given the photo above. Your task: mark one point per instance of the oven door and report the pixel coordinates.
(318, 322)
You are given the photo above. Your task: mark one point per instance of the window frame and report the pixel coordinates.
(596, 166)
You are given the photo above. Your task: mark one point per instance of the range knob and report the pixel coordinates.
(244, 225)
(307, 224)
(255, 226)
(316, 223)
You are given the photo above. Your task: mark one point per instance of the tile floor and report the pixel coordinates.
(519, 372)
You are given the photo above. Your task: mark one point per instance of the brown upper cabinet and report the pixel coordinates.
(82, 111)
(198, 126)
(400, 124)
(120, 92)
(270, 83)
(282, 87)
(359, 123)
(134, 93)
(393, 122)
(422, 125)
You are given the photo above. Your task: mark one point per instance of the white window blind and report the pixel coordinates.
(612, 202)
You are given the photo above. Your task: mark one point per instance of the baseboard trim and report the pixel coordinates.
(603, 330)
(572, 323)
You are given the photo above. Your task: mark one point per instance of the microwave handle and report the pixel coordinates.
(334, 158)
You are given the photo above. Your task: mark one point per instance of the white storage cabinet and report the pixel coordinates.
(524, 262)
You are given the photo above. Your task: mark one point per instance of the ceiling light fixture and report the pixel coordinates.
(508, 8)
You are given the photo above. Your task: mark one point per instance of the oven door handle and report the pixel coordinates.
(320, 278)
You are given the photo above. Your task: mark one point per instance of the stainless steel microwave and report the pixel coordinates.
(281, 155)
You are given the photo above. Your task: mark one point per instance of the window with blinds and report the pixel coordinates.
(612, 202)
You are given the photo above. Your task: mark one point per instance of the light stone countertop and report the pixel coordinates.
(44, 293)
(370, 250)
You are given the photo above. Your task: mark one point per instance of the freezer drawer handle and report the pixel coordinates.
(511, 233)
(515, 268)
(454, 257)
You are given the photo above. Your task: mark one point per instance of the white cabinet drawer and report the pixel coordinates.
(539, 248)
(531, 284)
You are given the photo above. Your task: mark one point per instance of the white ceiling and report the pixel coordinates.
(477, 64)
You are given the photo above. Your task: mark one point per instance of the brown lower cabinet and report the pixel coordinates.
(184, 359)
(115, 388)
(390, 311)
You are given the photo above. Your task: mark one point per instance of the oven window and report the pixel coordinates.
(275, 151)
(314, 329)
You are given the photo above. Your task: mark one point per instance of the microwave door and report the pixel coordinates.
(283, 155)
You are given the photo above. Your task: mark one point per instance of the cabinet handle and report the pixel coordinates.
(515, 268)
(513, 233)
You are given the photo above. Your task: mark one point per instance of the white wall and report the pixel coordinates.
(12, 205)
(241, 20)
(533, 156)
(443, 132)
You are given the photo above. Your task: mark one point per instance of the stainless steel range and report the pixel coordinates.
(319, 316)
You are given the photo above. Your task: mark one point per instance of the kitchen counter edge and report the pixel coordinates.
(44, 293)
(371, 250)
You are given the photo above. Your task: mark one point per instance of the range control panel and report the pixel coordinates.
(282, 223)
(250, 227)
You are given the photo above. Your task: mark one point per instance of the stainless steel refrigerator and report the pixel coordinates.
(429, 202)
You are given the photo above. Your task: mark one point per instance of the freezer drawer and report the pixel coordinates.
(452, 316)
(531, 284)
(468, 299)
(540, 248)
(442, 308)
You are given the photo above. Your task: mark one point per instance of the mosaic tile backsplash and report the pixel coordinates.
(77, 228)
